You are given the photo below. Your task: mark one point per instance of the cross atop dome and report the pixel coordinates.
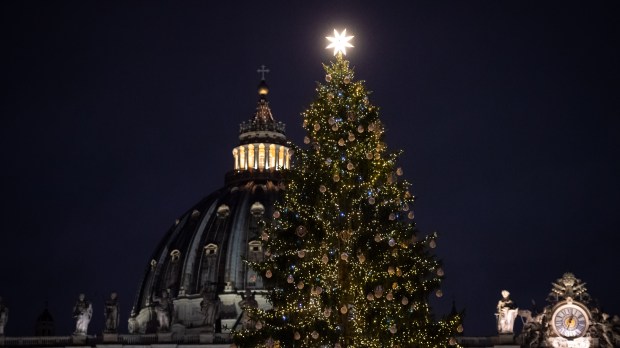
(262, 71)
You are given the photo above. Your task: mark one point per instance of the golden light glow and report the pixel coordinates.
(339, 42)
(260, 156)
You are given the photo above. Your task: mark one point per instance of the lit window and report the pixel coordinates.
(242, 160)
(261, 156)
(236, 156)
(251, 163)
(272, 157)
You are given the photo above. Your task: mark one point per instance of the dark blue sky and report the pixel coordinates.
(119, 116)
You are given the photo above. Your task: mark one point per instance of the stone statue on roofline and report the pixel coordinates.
(4, 316)
(82, 312)
(210, 307)
(111, 313)
(506, 314)
(164, 309)
(249, 301)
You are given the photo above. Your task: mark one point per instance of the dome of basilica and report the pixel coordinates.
(197, 275)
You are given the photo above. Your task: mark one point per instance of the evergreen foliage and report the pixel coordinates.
(344, 264)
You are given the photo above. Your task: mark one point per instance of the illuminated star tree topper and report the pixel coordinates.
(339, 42)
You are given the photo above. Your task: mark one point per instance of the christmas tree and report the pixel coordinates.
(344, 264)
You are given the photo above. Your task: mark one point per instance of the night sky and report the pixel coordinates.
(117, 117)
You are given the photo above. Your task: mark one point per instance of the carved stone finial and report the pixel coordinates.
(568, 287)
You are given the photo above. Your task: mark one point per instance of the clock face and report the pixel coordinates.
(570, 321)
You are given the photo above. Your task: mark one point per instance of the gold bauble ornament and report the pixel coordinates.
(344, 256)
(322, 188)
(317, 126)
(300, 285)
(351, 137)
(452, 341)
(314, 335)
(369, 155)
(344, 309)
(346, 80)
(399, 171)
(371, 200)
(301, 254)
(341, 142)
(439, 293)
(393, 329)
(390, 270)
(258, 325)
(360, 129)
(361, 258)
(350, 166)
(440, 272)
(264, 236)
(370, 297)
(325, 258)
(432, 244)
(268, 274)
(404, 300)
(328, 78)
(331, 121)
(336, 177)
(392, 217)
(290, 279)
(377, 237)
(389, 296)
(306, 140)
(335, 127)
(276, 214)
(410, 215)
(297, 336)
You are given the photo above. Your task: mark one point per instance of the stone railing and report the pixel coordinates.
(203, 339)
